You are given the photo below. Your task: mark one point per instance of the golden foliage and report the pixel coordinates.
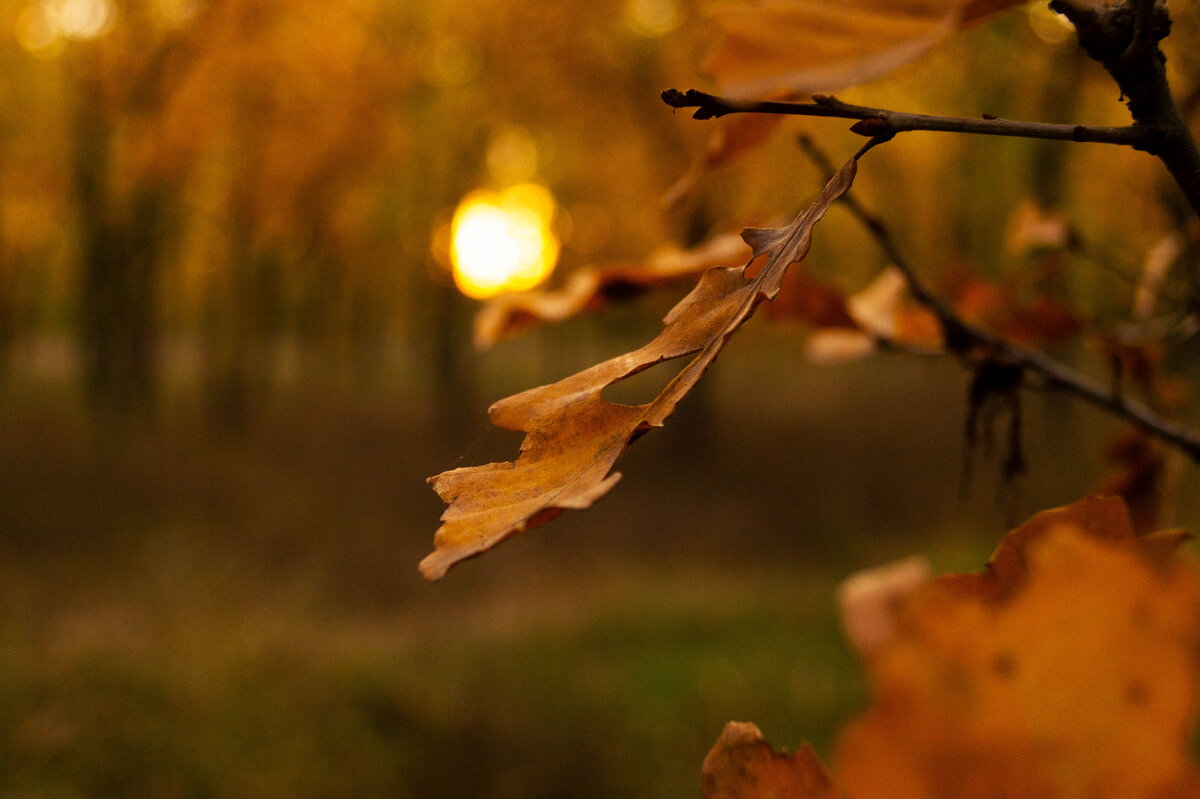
(1068, 669)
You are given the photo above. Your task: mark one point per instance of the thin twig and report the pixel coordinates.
(962, 336)
(876, 121)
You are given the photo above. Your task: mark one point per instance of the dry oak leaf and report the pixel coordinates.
(591, 288)
(741, 765)
(1081, 683)
(804, 46)
(573, 436)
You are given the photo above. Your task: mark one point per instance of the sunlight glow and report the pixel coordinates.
(503, 241)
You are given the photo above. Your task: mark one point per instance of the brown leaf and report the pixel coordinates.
(885, 310)
(591, 288)
(810, 45)
(1137, 476)
(882, 311)
(1003, 308)
(1141, 365)
(573, 436)
(1081, 681)
(741, 765)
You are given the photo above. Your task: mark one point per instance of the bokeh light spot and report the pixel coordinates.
(501, 242)
(42, 27)
(512, 156)
(84, 19)
(652, 18)
(37, 31)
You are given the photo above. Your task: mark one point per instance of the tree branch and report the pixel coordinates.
(1143, 31)
(962, 336)
(1124, 40)
(877, 121)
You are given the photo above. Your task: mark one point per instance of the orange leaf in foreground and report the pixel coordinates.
(743, 766)
(815, 45)
(1069, 669)
(573, 436)
(1078, 681)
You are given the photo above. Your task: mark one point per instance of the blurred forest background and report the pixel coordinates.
(231, 352)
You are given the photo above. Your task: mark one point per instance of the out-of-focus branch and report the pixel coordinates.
(963, 337)
(881, 121)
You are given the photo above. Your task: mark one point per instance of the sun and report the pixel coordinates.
(503, 241)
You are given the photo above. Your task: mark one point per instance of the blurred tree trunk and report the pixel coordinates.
(8, 305)
(120, 263)
(240, 330)
(244, 297)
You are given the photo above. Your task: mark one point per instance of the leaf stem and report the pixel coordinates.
(962, 336)
(876, 121)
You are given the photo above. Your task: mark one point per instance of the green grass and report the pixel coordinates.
(624, 703)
